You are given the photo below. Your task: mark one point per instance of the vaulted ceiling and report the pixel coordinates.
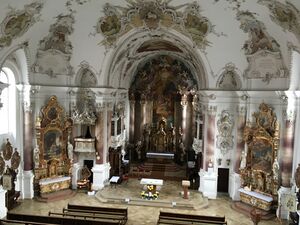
(225, 44)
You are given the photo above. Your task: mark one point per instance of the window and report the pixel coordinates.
(8, 99)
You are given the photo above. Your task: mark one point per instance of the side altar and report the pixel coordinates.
(259, 169)
(52, 165)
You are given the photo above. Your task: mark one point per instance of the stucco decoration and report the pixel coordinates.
(153, 15)
(54, 54)
(229, 78)
(86, 77)
(285, 15)
(225, 126)
(17, 22)
(262, 51)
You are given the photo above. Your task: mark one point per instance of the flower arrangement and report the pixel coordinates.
(150, 194)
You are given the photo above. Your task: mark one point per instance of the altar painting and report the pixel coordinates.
(262, 156)
(53, 144)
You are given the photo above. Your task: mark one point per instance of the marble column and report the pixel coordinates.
(210, 136)
(99, 134)
(132, 117)
(288, 151)
(184, 104)
(240, 143)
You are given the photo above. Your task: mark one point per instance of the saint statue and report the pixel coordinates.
(275, 169)
(243, 160)
(70, 150)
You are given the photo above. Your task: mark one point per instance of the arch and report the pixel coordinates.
(124, 59)
(17, 59)
(86, 76)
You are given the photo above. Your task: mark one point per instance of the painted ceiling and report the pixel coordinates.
(224, 44)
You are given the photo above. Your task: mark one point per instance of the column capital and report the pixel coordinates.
(212, 110)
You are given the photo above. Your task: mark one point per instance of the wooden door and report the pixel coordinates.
(223, 180)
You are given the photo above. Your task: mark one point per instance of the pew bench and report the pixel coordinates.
(30, 219)
(9, 222)
(100, 211)
(166, 218)
(116, 219)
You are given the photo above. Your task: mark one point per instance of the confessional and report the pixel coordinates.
(52, 165)
(260, 172)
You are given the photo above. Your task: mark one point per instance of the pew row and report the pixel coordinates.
(9, 222)
(167, 218)
(31, 219)
(118, 219)
(107, 212)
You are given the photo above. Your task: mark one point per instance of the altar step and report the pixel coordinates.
(171, 167)
(169, 171)
(246, 209)
(55, 196)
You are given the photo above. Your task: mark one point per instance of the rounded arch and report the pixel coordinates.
(17, 59)
(124, 59)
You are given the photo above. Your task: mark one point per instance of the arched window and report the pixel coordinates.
(8, 99)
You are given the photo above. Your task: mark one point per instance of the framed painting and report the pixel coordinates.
(262, 155)
(7, 182)
(53, 143)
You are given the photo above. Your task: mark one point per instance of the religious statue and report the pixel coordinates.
(161, 139)
(36, 156)
(138, 149)
(70, 150)
(243, 160)
(181, 152)
(275, 170)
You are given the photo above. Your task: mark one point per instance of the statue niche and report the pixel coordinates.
(261, 172)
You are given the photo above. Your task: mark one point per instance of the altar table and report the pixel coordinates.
(157, 155)
(49, 185)
(256, 199)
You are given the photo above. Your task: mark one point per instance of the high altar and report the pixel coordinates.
(259, 167)
(52, 164)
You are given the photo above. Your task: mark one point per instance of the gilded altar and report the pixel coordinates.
(259, 166)
(52, 164)
(256, 199)
(49, 185)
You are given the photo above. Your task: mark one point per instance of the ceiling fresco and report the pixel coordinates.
(153, 15)
(17, 22)
(285, 15)
(55, 50)
(262, 50)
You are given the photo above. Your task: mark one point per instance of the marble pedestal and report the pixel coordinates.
(234, 186)
(28, 184)
(100, 175)
(208, 184)
(75, 175)
(3, 209)
(282, 211)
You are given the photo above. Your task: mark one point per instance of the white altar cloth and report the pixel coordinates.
(160, 155)
(46, 181)
(149, 181)
(257, 195)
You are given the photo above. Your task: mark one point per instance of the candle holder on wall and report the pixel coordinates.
(228, 162)
(219, 161)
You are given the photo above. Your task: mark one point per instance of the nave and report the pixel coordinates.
(147, 215)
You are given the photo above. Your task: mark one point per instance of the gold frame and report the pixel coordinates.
(262, 139)
(52, 125)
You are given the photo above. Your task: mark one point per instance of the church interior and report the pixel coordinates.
(149, 112)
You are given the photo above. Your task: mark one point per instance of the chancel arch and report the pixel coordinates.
(161, 108)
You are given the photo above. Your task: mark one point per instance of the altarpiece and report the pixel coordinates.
(52, 164)
(260, 170)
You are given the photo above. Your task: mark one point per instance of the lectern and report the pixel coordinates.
(185, 185)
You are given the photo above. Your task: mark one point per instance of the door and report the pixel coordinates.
(89, 164)
(223, 179)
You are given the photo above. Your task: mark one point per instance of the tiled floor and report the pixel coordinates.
(139, 214)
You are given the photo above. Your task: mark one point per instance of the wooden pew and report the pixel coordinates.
(8, 222)
(99, 210)
(184, 219)
(117, 219)
(55, 220)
